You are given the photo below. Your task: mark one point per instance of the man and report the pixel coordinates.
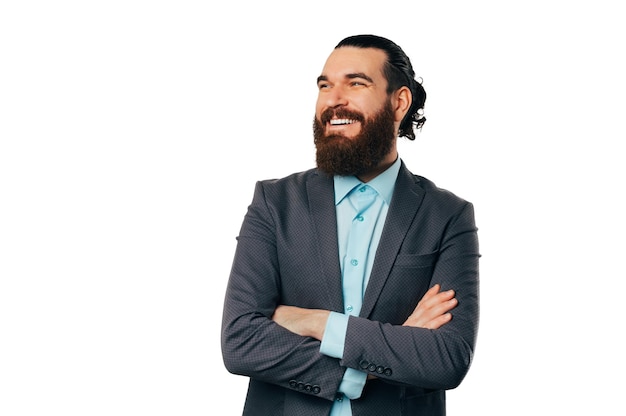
(354, 287)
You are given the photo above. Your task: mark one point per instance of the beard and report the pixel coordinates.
(337, 154)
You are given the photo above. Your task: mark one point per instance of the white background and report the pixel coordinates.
(132, 133)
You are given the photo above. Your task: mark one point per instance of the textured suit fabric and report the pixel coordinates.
(287, 254)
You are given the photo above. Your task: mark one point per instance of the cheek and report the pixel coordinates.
(318, 108)
(372, 107)
(318, 113)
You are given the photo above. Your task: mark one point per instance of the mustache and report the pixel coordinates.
(331, 113)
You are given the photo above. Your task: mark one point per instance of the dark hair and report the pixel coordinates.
(399, 72)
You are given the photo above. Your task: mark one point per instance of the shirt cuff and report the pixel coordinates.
(334, 336)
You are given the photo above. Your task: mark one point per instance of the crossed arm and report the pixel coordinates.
(432, 312)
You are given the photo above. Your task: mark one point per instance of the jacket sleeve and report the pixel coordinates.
(252, 344)
(429, 359)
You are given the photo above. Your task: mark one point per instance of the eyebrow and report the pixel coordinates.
(349, 76)
(359, 75)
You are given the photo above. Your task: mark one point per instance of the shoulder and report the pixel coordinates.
(433, 194)
(294, 186)
(294, 179)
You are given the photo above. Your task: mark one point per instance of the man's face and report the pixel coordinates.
(354, 126)
(352, 80)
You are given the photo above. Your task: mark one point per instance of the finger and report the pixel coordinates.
(444, 307)
(439, 321)
(435, 299)
(445, 295)
(425, 313)
(430, 293)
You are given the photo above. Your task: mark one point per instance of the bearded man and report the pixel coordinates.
(354, 287)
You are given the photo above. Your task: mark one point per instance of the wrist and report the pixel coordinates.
(317, 323)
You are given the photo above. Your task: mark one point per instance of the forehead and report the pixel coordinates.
(350, 60)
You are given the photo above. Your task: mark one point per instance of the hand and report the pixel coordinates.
(301, 321)
(433, 310)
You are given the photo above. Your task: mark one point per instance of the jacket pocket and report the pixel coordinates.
(416, 260)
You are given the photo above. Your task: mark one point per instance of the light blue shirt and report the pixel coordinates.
(361, 213)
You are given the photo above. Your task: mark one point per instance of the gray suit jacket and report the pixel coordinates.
(287, 254)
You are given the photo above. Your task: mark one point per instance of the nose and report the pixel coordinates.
(335, 97)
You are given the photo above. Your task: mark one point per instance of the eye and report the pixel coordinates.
(323, 85)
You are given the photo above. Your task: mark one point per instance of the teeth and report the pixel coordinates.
(341, 121)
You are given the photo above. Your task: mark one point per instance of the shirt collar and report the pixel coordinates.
(383, 183)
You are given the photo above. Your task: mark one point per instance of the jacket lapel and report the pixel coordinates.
(406, 200)
(320, 190)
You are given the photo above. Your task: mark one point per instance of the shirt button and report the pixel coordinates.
(359, 218)
(363, 189)
(354, 262)
(349, 308)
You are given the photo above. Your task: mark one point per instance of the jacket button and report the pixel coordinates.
(300, 386)
(380, 369)
(293, 384)
(364, 364)
(372, 367)
(387, 371)
(316, 389)
(308, 387)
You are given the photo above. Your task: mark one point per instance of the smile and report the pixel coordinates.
(341, 122)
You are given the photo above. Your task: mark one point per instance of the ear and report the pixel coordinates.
(402, 102)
